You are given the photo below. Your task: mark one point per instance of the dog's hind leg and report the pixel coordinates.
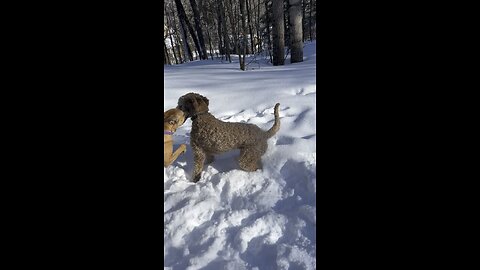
(251, 157)
(248, 160)
(198, 160)
(261, 150)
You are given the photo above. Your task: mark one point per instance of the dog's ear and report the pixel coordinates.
(165, 116)
(205, 100)
(180, 102)
(169, 117)
(200, 103)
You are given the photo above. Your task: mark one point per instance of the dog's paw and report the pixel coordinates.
(184, 148)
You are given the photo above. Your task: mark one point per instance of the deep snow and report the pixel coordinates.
(233, 219)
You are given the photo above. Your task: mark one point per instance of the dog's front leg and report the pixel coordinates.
(167, 155)
(199, 160)
(180, 150)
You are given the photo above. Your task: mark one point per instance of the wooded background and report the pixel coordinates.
(208, 29)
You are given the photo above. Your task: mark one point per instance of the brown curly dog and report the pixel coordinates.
(210, 136)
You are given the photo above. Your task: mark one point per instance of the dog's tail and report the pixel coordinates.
(276, 125)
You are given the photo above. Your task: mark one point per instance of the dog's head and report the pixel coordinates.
(174, 118)
(192, 104)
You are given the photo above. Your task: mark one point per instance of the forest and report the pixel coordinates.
(208, 29)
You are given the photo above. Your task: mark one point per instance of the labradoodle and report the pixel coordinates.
(210, 136)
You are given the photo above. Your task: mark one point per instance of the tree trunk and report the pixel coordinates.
(226, 40)
(310, 20)
(252, 46)
(244, 35)
(198, 27)
(183, 17)
(296, 38)
(173, 50)
(169, 27)
(178, 42)
(278, 33)
(268, 23)
(209, 42)
(286, 28)
(197, 54)
(303, 19)
(186, 51)
(233, 27)
(259, 48)
(206, 22)
(167, 60)
(219, 22)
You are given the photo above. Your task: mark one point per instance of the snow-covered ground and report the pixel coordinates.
(232, 219)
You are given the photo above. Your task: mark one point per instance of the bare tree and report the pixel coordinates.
(207, 21)
(286, 22)
(243, 27)
(233, 25)
(278, 33)
(219, 27)
(257, 25)
(243, 43)
(187, 53)
(268, 23)
(252, 50)
(167, 59)
(226, 39)
(169, 30)
(310, 19)
(209, 42)
(303, 19)
(296, 37)
(183, 18)
(198, 27)
(178, 40)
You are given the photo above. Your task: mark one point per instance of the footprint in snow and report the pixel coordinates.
(304, 92)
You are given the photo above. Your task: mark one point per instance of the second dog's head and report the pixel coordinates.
(192, 104)
(173, 118)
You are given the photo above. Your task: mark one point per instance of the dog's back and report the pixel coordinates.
(217, 136)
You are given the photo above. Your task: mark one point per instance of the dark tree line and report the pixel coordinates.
(203, 29)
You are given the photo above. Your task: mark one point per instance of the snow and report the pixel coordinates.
(232, 219)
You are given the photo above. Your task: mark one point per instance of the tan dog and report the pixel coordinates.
(172, 119)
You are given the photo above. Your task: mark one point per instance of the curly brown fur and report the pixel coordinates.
(210, 136)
